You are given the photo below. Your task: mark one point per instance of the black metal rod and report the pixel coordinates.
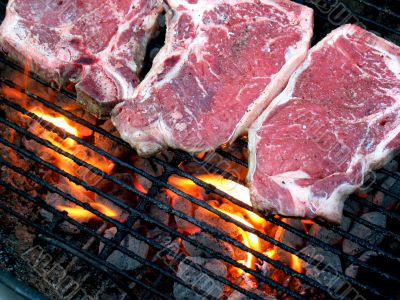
(122, 227)
(272, 240)
(206, 228)
(112, 243)
(88, 257)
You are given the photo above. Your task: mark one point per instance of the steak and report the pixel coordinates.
(337, 119)
(99, 45)
(223, 62)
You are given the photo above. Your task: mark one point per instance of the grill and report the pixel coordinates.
(156, 278)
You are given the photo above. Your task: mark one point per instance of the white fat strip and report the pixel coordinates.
(299, 194)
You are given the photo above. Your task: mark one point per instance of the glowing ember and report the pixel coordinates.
(139, 187)
(82, 215)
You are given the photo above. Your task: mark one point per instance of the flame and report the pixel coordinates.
(59, 122)
(139, 186)
(270, 253)
(68, 165)
(227, 186)
(307, 222)
(249, 239)
(296, 263)
(81, 215)
(237, 213)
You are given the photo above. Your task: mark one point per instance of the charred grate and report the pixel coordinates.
(50, 233)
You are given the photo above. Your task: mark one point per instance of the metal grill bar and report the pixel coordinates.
(166, 208)
(208, 188)
(121, 227)
(380, 9)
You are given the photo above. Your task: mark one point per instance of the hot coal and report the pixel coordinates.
(159, 214)
(289, 238)
(150, 168)
(108, 145)
(186, 207)
(239, 296)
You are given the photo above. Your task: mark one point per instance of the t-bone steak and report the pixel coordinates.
(222, 64)
(338, 119)
(99, 45)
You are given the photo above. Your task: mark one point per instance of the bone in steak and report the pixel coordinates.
(222, 64)
(337, 119)
(100, 45)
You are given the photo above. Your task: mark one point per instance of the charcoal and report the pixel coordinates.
(208, 285)
(385, 200)
(212, 219)
(289, 239)
(159, 214)
(352, 270)
(210, 242)
(121, 260)
(391, 166)
(326, 235)
(108, 145)
(365, 233)
(185, 206)
(333, 281)
(150, 168)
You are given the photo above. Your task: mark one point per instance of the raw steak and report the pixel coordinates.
(100, 45)
(337, 119)
(223, 62)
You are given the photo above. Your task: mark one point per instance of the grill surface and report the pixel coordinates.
(384, 20)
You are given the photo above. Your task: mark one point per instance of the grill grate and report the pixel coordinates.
(50, 234)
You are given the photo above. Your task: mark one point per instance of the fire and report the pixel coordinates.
(59, 122)
(82, 215)
(72, 147)
(270, 253)
(227, 186)
(296, 263)
(237, 213)
(139, 186)
(249, 239)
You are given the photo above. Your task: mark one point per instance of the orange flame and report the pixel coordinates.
(227, 186)
(249, 239)
(59, 122)
(237, 213)
(82, 215)
(296, 263)
(68, 165)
